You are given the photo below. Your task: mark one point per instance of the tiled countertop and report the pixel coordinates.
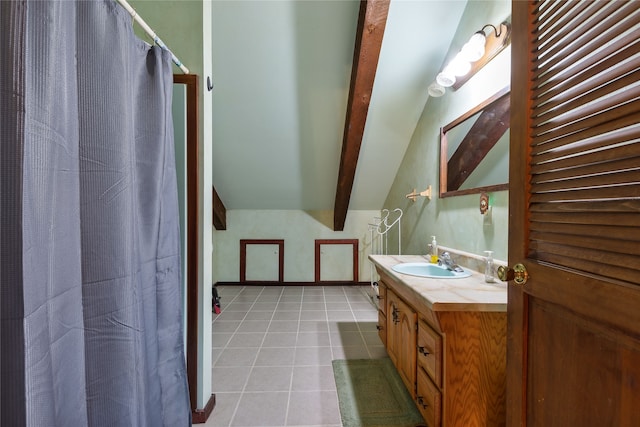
(463, 294)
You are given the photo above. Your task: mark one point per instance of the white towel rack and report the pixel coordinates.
(379, 230)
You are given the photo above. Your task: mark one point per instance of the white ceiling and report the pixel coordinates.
(282, 71)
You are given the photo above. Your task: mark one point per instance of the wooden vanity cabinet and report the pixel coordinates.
(453, 362)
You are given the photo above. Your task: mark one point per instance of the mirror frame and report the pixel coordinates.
(444, 145)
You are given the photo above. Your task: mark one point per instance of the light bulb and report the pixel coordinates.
(435, 90)
(458, 67)
(445, 79)
(474, 48)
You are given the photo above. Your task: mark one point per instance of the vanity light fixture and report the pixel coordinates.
(483, 46)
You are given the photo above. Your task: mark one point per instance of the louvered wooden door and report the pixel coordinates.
(574, 326)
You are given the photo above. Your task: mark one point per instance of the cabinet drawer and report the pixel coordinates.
(430, 352)
(382, 327)
(428, 399)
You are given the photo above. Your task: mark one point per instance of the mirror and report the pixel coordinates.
(474, 149)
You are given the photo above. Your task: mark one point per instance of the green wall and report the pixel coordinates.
(299, 229)
(178, 24)
(455, 221)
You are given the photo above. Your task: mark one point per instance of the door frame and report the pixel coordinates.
(518, 152)
(193, 242)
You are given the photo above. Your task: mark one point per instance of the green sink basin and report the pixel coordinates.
(425, 269)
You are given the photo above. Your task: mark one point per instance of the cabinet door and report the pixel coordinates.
(262, 262)
(382, 327)
(382, 312)
(382, 297)
(393, 337)
(406, 350)
(336, 263)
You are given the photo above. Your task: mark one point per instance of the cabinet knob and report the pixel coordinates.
(421, 402)
(423, 350)
(378, 327)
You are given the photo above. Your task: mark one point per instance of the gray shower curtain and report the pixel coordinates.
(90, 299)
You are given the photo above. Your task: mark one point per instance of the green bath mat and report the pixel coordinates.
(371, 394)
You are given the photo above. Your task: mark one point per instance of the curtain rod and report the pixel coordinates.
(152, 34)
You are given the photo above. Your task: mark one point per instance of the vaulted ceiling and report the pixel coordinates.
(316, 101)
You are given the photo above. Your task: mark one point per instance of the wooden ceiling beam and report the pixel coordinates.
(372, 19)
(490, 126)
(219, 212)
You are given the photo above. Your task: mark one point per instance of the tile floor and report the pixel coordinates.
(273, 347)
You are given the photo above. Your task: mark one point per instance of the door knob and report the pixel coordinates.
(518, 274)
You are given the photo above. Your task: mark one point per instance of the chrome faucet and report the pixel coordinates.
(445, 259)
